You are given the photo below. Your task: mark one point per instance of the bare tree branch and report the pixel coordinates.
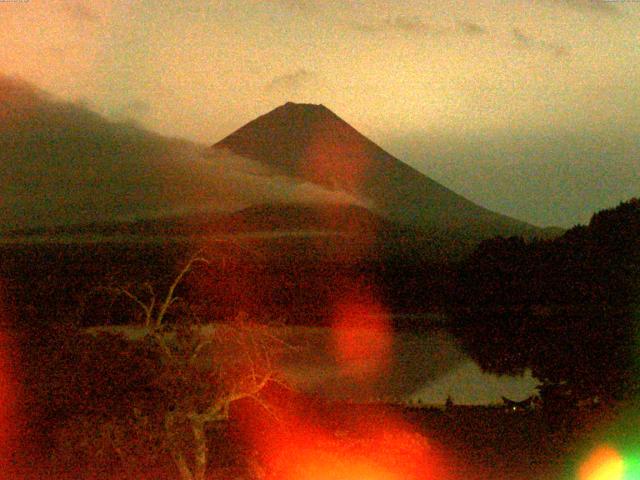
(170, 298)
(231, 362)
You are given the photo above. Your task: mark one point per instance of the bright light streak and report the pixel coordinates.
(302, 444)
(604, 463)
(318, 465)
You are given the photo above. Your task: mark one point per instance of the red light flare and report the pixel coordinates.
(339, 159)
(362, 336)
(8, 391)
(307, 442)
(308, 439)
(336, 154)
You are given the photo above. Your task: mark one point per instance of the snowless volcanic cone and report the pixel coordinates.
(311, 143)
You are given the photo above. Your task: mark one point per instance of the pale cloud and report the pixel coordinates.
(524, 41)
(401, 23)
(417, 25)
(244, 182)
(602, 6)
(290, 81)
(471, 28)
(412, 24)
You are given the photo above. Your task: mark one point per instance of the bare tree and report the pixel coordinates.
(205, 368)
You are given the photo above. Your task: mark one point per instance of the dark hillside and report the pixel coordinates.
(566, 308)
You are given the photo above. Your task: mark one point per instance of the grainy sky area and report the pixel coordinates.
(528, 107)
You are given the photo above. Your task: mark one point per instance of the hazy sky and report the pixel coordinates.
(529, 107)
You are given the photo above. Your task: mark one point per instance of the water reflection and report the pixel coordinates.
(423, 368)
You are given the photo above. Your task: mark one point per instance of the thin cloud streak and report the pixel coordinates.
(601, 6)
(289, 81)
(524, 41)
(416, 25)
(471, 28)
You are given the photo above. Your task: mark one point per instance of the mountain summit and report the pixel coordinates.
(282, 138)
(311, 143)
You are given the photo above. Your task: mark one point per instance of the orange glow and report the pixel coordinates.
(362, 337)
(604, 463)
(301, 439)
(339, 160)
(319, 465)
(330, 144)
(379, 449)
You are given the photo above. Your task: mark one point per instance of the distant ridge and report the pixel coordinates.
(348, 219)
(311, 143)
(68, 170)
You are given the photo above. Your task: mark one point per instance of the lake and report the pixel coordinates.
(417, 368)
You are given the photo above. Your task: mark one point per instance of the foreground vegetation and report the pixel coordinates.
(97, 408)
(102, 406)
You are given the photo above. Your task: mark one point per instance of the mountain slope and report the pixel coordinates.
(311, 143)
(62, 164)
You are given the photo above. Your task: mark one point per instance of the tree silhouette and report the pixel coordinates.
(126, 399)
(565, 308)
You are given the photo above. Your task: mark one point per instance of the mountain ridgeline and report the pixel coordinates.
(299, 168)
(311, 143)
(63, 164)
